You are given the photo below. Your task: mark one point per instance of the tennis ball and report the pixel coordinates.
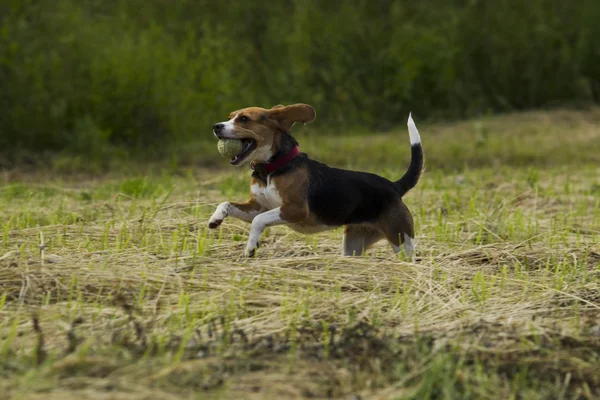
(229, 147)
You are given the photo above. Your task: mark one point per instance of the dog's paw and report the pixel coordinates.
(212, 224)
(251, 250)
(219, 215)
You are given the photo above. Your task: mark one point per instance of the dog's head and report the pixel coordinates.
(259, 129)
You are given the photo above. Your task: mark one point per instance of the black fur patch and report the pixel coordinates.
(341, 197)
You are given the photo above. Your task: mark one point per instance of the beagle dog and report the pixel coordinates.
(288, 188)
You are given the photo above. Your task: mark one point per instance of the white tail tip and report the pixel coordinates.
(413, 131)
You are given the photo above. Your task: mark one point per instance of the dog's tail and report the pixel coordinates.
(412, 175)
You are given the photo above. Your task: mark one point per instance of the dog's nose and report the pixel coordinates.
(217, 127)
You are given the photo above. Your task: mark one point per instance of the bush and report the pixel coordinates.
(80, 75)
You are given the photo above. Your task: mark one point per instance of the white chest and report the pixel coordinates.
(266, 196)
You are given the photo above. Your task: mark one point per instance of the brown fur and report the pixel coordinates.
(293, 190)
(252, 204)
(393, 225)
(396, 222)
(265, 125)
(359, 238)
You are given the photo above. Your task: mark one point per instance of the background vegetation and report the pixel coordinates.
(146, 75)
(114, 288)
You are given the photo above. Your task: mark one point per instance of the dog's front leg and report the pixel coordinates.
(262, 221)
(244, 211)
(286, 214)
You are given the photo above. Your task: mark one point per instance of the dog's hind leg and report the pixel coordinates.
(409, 246)
(358, 238)
(397, 225)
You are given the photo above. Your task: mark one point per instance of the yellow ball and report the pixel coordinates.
(229, 147)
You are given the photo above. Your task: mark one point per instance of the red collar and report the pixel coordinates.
(281, 161)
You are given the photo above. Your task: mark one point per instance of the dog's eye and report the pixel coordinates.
(243, 118)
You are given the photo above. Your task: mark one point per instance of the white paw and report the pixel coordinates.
(218, 216)
(251, 249)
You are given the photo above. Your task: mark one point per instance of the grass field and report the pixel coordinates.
(112, 287)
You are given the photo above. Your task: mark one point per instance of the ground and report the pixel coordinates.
(112, 287)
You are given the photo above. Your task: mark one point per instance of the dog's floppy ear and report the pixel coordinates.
(277, 106)
(289, 115)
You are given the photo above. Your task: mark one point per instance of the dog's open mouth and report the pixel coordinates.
(248, 146)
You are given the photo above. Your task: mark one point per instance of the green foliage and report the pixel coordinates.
(87, 75)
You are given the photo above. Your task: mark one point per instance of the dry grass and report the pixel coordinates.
(113, 288)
